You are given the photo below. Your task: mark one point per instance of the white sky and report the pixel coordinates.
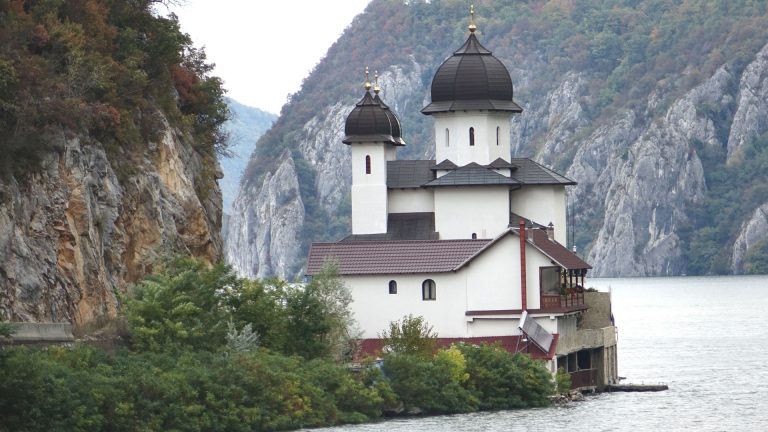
(264, 49)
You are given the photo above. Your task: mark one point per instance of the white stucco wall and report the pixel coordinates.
(493, 326)
(493, 278)
(485, 150)
(411, 201)
(369, 191)
(461, 211)
(506, 325)
(375, 308)
(542, 204)
(491, 282)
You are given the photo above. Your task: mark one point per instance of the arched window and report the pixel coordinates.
(428, 289)
(474, 236)
(498, 130)
(471, 136)
(392, 287)
(447, 138)
(367, 164)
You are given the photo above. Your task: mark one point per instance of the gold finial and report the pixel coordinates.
(376, 88)
(367, 80)
(472, 26)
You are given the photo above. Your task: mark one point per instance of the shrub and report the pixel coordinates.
(410, 335)
(501, 380)
(427, 384)
(562, 381)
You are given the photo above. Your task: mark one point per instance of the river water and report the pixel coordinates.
(706, 337)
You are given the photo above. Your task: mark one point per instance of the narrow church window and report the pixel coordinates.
(367, 164)
(498, 129)
(428, 290)
(474, 236)
(392, 287)
(447, 138)
(471, 136)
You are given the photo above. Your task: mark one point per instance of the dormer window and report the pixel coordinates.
(471, 136)
(447, 138)
(367, 164)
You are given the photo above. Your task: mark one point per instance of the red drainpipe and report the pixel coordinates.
(523, 294)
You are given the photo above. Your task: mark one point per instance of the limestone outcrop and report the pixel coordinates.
(263, 239)
(74, 234)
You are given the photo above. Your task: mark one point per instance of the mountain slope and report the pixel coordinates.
(245, 127)
(647, 104)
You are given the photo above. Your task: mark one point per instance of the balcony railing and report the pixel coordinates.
(562, 301)
(584, 378)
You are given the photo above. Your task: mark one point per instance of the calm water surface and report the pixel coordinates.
(707, 337)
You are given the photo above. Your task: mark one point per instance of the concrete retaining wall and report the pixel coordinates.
(40, 333)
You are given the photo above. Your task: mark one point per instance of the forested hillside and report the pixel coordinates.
(656, 107)
(109, 128)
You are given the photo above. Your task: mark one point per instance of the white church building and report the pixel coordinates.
(473, 240)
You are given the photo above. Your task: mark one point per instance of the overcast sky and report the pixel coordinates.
(264, 49)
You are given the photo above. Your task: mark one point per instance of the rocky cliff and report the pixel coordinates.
(74, 234)
(110, 124)
(639, 117)
(245, 126)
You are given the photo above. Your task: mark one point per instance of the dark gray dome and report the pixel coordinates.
(371, 120)
(472, 79)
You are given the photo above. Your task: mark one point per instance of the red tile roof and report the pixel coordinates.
(555, 251)
(424, 256)
(394, 257)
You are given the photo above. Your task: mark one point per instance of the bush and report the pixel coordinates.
(85, 389)
(501, 380)
(411, 335)
(562, 381)
(6, 329)
(427, 384)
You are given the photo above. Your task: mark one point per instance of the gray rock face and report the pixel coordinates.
(750, 119)
(753, 231)
(264, 230)
(75, 234)
(646, 186)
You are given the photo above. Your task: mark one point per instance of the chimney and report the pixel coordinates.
(551, 232)
(523, 289)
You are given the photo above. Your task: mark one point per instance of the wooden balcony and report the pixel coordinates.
(584, 378)
(562, 302)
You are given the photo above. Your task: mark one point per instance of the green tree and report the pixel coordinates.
(410, 335)
(180, 307)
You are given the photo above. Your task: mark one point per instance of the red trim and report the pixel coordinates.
(523, 289)
(510, 343)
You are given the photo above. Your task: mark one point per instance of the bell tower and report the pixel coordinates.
(472, 105)
(374, 133)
